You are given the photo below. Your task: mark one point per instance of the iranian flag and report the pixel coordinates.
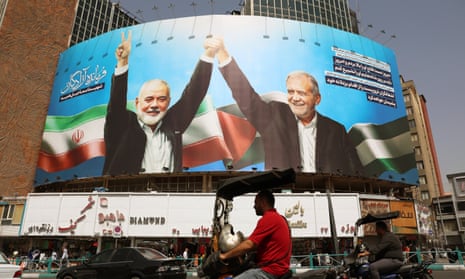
(70, 140)
(214, 135)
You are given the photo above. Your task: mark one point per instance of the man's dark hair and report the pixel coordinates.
(382, 225)
(267, 196)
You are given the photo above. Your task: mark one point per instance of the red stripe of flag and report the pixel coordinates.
(58, 162)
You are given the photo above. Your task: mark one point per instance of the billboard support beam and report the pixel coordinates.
(332, 223)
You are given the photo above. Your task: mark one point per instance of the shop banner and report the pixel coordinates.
(407, 221)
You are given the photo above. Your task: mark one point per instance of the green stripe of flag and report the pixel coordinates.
(400, 164)
(62, 123)
(59, 123)
(56, 123)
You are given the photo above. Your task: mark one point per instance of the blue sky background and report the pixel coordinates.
(427, 36)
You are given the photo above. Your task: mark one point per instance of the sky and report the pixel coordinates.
(427, 36)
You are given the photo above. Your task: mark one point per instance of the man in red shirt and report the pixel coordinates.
(271, 239)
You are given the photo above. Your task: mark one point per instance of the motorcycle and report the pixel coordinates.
(359, 267)
(225, 238)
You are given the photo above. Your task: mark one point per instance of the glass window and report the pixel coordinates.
(462, 222)
(447, 208)
(103, 257)
(151, 254)
(450, 226)
(8, 211)
(461, 205)
(409, 111)
(411, 123)
(459, 185)
(424, 195)
(121, 255)
(406, 98)
(2, 10)
(7, 216)
(422, 179)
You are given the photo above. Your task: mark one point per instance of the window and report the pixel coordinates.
(3, 4)
(7, 215)
(461, 205)
(424, 195)
(422, 179)
(417, 150)
(120, 255)
(411, 123)
(420, 165)
(462, 222)
(406, 98)
(450, 226)
(459, 185)
(414, 137)
(447, 208)
(409, 111)
(102, 257)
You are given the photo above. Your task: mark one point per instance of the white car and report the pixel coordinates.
(8, 270)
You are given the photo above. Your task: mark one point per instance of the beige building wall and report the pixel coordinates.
(430, 185)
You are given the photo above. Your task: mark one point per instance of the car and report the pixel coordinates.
(8, 270)
(127, 263)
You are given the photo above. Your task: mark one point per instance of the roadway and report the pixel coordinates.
(437, 274)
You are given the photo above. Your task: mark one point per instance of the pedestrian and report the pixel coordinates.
(64, 255)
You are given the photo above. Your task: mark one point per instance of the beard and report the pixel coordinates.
(150, 120)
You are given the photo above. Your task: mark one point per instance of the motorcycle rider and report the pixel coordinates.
(271, 240)
(387, 252)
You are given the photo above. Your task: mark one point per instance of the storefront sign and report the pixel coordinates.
(147, 220)
(40, 229)
(406, 223)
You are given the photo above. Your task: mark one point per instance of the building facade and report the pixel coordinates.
(430, 184)
(334, 13)
(95, 17)
(450, 212)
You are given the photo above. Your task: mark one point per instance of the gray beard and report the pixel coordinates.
(150, 120)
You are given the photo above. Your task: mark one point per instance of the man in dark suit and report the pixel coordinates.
(294, 134)
(150, 139)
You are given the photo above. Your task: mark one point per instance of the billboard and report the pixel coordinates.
(407, 221)
(175, 215)
(239, 113)
(373, 207)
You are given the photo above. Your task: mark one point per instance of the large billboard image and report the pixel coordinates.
(221, 92)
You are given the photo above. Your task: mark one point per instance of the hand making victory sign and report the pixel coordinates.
(123, 50)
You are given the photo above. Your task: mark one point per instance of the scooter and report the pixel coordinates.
(224, 237)
(359, 267)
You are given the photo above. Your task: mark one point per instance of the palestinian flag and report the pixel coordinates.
(385, 147)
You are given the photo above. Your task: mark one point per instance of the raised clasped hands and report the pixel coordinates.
(212, 45)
